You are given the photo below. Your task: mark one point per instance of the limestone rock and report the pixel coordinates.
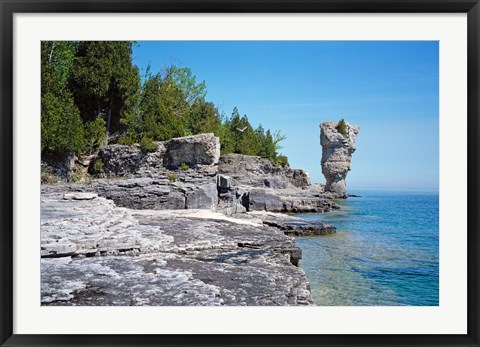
(293, 225)
(94, 253)
(79, 196)
(337, 151)
(203, 197)
(121, 160)
(224, 182)
(196, 150)
(202, 149)
(259, 172)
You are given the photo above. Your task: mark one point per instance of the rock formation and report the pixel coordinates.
(202, 149)
(194, 151)
(179, 226)
(337, 149)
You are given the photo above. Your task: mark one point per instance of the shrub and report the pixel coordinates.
(342, 128)
(125, 141)
(147, 145)
(74, 178)
(95, 134)
(282, 160)
(185, 166)
(98, 167)
(47, 175)
(172, 177)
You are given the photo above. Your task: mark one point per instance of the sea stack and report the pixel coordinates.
(338, 144)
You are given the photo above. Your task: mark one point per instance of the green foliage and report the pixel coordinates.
(185, 166)
(342, 128)
(95, 134)
(104, 81)
(172, 177)
(237, 136)
(204, 118)
(163, 110)
(91, 89)
(74, 177)
(147, 145)
(47, 175)
(185, 81)
(126, 141)
(61, 128)
(226, 139)
(98, 167)
(282, 160)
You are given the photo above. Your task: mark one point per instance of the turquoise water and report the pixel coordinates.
(385, 251)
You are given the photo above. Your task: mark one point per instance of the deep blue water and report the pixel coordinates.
(385, 251)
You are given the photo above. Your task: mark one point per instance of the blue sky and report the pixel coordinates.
(388, 88)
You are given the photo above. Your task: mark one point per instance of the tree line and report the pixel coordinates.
(93, 94)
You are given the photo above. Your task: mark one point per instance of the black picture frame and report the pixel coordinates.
(10, 7)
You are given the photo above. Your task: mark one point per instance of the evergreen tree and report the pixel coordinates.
(104, 81)
(204, 118)
(163, 109)
(247, 143)
(61, 125)
(269, 146)
(260, 140)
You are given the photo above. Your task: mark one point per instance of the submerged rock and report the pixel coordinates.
(337, 150)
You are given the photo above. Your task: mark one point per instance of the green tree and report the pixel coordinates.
(61, 128)
(163, 109)
(61, 125)
(95, 134)
(204, 118)
(186, 81)
(104, 81)
(227, 144)
(277, 138)
(247, 143)
(269, 146)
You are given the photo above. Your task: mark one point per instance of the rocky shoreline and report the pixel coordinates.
(183, 226)
(94, 253)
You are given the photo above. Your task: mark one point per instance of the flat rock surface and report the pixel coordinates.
(292, 225)
(95, 253)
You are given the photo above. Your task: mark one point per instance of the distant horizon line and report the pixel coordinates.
(426, 189)
(429, 189)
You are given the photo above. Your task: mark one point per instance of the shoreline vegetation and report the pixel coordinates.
(93, 95)
(150, 197)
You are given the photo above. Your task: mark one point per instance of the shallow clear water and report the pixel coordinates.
(385, 251)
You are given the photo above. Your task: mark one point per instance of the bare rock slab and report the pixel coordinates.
(95, 253)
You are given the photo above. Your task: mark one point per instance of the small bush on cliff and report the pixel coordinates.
(282, 160)
(47, 175)
(172, 177)
(126, 141)
(147, 145)
(98, 167)
(185, 166)
(74, 177)
(342, 128)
